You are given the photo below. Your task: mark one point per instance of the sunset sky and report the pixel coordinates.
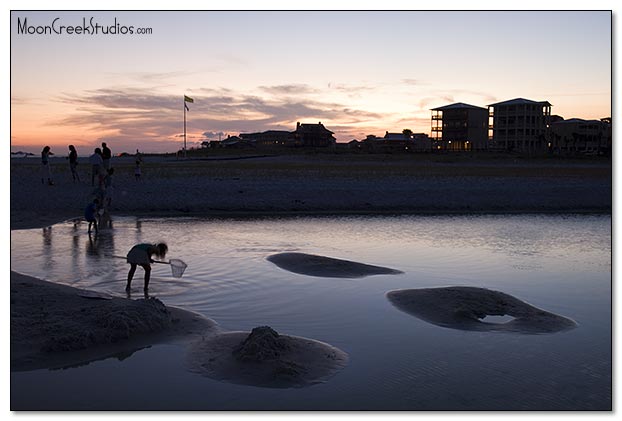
(358, 72)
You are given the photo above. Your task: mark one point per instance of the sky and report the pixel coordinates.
(357, 72)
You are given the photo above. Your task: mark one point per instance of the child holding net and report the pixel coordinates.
(141, 255)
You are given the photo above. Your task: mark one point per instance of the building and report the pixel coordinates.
(315, 135)
(269, 138)
(422, 142)
(578, 136)
(520, 125)
(460, 127)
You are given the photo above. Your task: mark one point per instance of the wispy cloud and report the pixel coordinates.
(291, 89)
(142, 115)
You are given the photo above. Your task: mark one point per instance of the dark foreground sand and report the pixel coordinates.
(57, 326)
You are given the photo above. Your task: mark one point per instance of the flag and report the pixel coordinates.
(188, 99)
(187, 109)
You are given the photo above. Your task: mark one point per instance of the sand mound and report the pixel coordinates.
(464, 307)
(55, 326)
(313, 265)
(266, 359)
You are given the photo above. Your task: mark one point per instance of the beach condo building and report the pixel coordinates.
(460, 127)
(314, 135)
(578, 136)
(520, 125)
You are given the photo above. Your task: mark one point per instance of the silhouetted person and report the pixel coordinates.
(73, 163)
(46, 171)
(141, 254)
(138, 162)
(90, 214)
(96, 166)
(106, 156)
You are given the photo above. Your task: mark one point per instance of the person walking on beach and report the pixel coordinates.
(46, 171)
(90, 214)
(106, 156)
(141, 254)
(96, 166)
(73, 163)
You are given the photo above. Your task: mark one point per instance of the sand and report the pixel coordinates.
(314, 265)
(54, 326)
(463, 308)
(265, 358)
(318, 184)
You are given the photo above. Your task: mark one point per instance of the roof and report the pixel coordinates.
(458, 106)
(520, 101)
(577, 120)
(306, 127)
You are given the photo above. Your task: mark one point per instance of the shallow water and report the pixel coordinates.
(560, 263)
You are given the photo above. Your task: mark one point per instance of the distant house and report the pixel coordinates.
(576, 135)
(314, 135)
(421, 142)
(236, 142)
(269, 138)
(520, 124)
(460, 127)
(354, 144)
(390, 142)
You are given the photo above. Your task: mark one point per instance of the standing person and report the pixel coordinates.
(90, 214)
(106, 156)
(138, 161)
(96, 166)
(141, 254)
(73, 163)
(46, 171)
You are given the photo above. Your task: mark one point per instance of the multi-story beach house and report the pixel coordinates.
(520, 125)
(576, 135)
(315, 135)
(460, 127)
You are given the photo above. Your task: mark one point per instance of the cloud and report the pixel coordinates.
(415, 82)
(143, 116)
(436, 101)
(291, 89)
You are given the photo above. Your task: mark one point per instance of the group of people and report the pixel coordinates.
(102, 174)
(97, 211)
(99, 160)
(100, 164)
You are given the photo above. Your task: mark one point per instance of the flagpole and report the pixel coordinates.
(184, 103)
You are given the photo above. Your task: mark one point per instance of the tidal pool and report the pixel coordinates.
(558, 263)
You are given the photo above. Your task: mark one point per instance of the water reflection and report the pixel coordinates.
(561, 264)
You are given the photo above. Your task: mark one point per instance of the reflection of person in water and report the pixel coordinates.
(141, 254)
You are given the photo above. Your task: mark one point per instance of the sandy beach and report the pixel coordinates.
(262, 185)
(318, 184)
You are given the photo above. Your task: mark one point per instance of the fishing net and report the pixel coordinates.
(178, 267)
